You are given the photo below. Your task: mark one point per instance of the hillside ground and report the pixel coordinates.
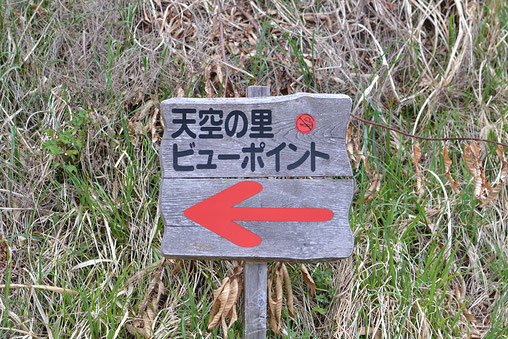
(80, 87)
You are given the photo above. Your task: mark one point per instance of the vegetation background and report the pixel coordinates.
(81, 83)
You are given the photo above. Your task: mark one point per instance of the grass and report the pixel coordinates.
(79, 201)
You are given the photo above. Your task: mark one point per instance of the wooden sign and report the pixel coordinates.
(253, 178)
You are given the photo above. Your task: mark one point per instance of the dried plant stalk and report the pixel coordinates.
(148, 307)
(473, 167)
(219, 304)
(278, 298)
(448, 165)
(289, 291)
(308, 279)
(417, 153)
(503, 177)
(460, 294)
(225, 301)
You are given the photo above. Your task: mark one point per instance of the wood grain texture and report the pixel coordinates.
(255, 276)
(289, 241)
(331, 113)
(258, 91)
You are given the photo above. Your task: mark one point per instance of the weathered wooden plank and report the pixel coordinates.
(332, 110)
(255, 276)
(322, 151)
(290, 241)
(200, 243)
(337, 164)
(258, 91)
(333, 194)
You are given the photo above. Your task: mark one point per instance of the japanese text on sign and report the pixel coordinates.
(216, 124)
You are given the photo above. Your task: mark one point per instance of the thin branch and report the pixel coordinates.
(249, 17)
(222, 45)
(43, 287)
(425, 138)
(398, 130)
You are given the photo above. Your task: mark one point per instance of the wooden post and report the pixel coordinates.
(255, 274)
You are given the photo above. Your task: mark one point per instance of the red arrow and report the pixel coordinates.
(218, 212)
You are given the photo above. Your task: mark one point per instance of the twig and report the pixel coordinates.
(15, 128)
(425, 138)
(43, 287)
(249, 17)
(291, 75)
(395, 129)
(222, 45)
(20, 331)
(11, 192)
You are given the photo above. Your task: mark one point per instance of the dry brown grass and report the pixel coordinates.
(429, 67)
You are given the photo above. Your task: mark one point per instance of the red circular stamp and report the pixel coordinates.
(305, 123)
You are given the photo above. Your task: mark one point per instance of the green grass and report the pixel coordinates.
(80, 173)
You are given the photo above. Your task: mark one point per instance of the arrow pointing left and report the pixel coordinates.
(217, 213)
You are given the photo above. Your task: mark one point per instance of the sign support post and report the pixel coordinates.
(255, 274)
